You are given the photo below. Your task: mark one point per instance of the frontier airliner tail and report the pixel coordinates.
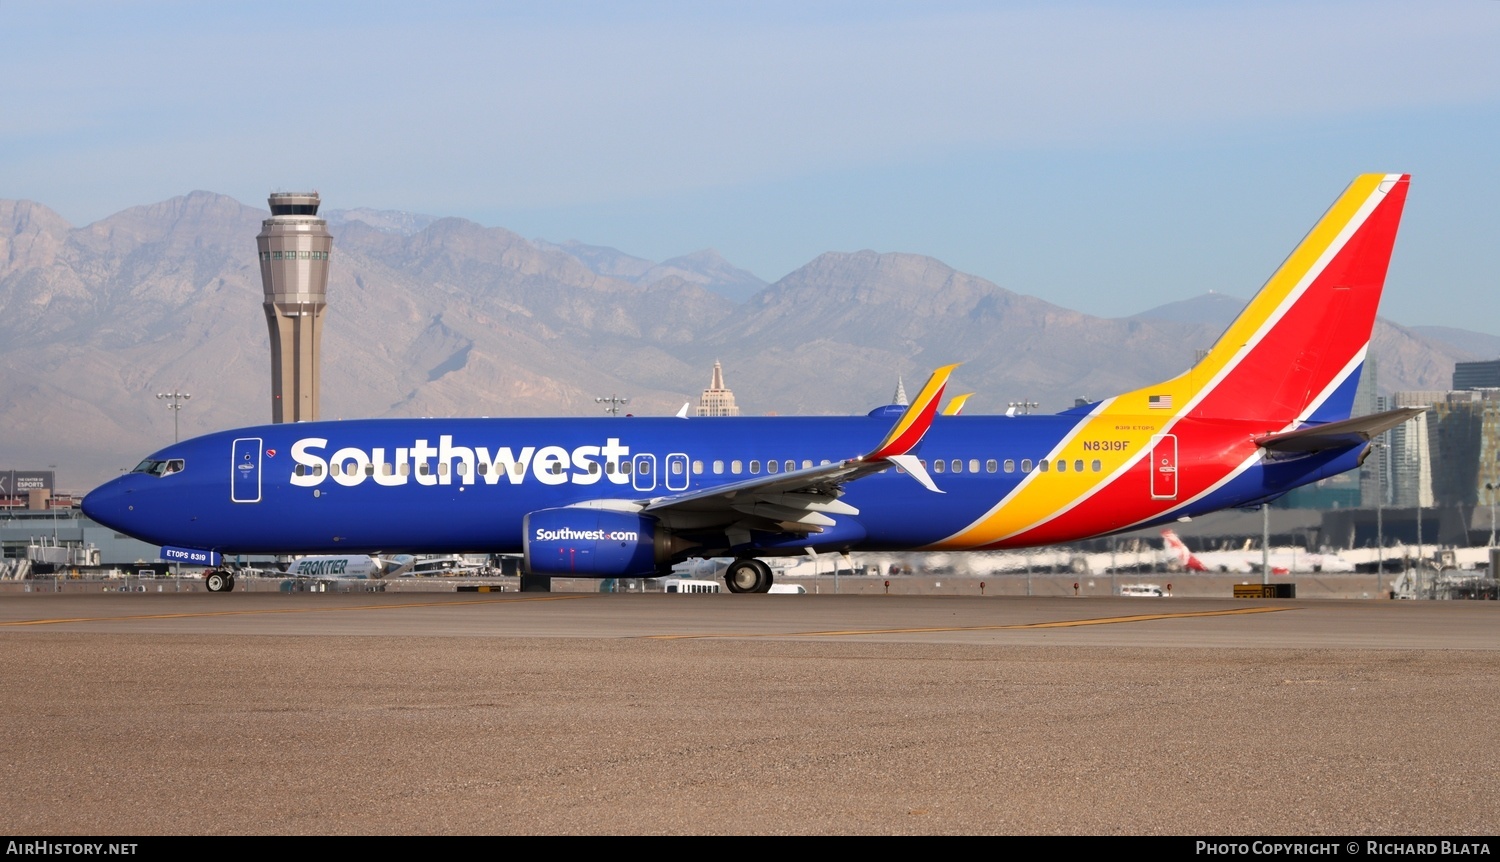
(1266, 410)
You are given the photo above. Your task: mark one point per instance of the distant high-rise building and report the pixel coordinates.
(1450, 455)
(1411, 451)
(1477, 375)
(294, 247)
(717, 400)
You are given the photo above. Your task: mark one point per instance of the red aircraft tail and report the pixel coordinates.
(1294, 354)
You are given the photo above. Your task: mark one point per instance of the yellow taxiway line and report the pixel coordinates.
(1099, 621)
(132, 617)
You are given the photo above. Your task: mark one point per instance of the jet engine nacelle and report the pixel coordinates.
(595, 543)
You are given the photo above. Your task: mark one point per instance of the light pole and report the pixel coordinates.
(1265, 543)
(176, 407)
(1419, 536)
(1379, 448)
(614, 402)
(1024, 407)
(52, 502)
(1490, 487)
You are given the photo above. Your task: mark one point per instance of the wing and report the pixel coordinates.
(803, 501)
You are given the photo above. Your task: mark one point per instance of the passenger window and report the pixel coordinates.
(772, 466)
(1062, 466)
(974, 465)
(1025, 465)
(958, 465)
(792, 465)
(1010, 465)
(1078, 466)
(735, 467)
(1042, 465)
(939, 465)
(806, 463)
(718, 468)
(676, 468)
(697, 468)
(754, 467)
(1097, 465)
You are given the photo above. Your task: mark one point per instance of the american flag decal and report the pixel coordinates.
(1159, 402)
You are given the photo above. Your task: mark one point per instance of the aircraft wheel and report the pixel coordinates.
(229, 584)
(218, 582)
(748, 576)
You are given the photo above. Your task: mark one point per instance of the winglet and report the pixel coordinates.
(913, 424)
(956, 406)
(913, 465)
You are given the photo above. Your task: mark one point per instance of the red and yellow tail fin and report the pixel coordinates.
(1291, 358)
(1296, 350)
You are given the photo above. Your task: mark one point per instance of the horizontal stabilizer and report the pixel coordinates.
(1338, 435)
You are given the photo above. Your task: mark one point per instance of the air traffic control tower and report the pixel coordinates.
(294, 247)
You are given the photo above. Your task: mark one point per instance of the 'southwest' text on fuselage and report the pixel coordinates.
(445, 462)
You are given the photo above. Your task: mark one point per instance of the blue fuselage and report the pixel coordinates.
(465, 485)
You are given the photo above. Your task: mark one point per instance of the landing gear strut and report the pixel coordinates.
(748, 576)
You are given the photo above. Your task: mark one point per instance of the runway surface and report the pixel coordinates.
(264, 713)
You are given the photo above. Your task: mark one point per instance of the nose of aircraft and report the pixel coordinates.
(109, 504)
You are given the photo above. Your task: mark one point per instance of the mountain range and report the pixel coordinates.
(444, 317)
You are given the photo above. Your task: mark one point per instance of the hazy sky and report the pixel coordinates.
(1108, 157)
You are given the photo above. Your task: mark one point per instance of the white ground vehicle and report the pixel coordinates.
(1144, 591)
(689, 585)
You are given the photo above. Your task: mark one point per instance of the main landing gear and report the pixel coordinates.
(748, 576)
(219, 581)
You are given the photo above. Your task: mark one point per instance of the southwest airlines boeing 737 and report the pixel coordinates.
(1267, 409)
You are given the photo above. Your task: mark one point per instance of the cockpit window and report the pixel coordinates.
(160, 467)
